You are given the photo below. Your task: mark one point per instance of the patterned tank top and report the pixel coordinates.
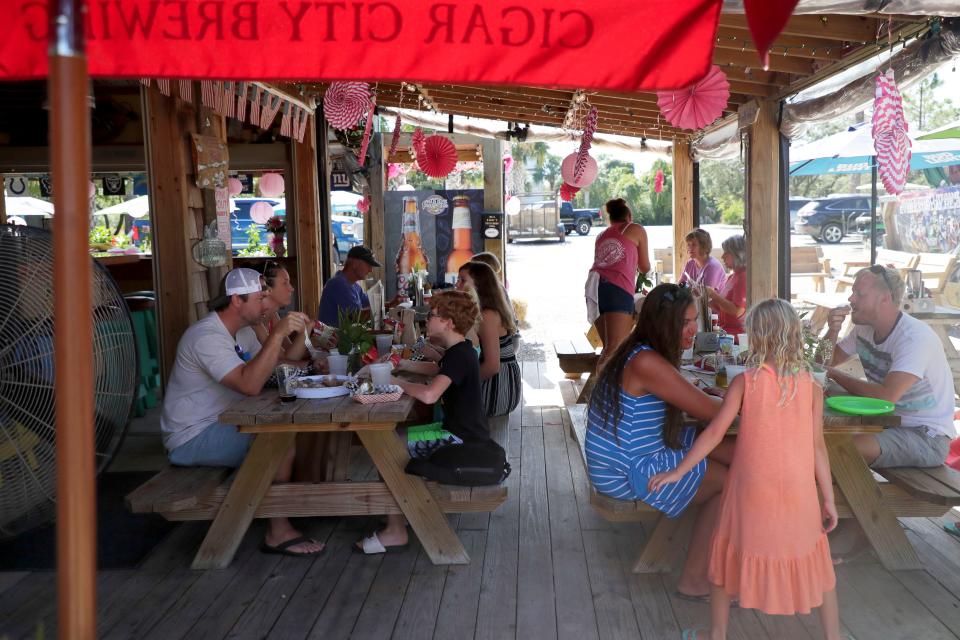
(615, 258)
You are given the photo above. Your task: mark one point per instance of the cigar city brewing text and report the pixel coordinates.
(291, 21)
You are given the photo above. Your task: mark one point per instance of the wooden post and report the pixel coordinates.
(323, 187)
(374, 229)
(168, 163)
(492, 152)
(211, 123)
(763, 204)
(73, 326)
(3, 202)
(682, 202)
(307, 210)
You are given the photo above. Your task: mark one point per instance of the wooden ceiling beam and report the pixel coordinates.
(806, 47)
(859, 29)
(749, 59)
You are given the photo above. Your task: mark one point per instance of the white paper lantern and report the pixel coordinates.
(512, 206)
(234, 187)
(271, 185)
(589, 171)
(260, 212)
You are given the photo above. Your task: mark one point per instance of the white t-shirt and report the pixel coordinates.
(912, 347)
(194, 397)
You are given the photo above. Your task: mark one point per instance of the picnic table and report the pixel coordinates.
(253, 494)
(859, 495)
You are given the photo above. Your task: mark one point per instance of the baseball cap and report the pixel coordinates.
(237, 282)
(362, 253)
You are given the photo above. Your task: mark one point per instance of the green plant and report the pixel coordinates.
(100, 235)
(731, 209)
(254, 246)
(352, 332)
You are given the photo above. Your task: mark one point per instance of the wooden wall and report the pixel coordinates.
(307, 238)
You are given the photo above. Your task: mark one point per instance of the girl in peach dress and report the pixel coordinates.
(770, 547)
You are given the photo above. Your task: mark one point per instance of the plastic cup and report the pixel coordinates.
(337, 363)
(285, 373)
(384, 342)
(744, 341)
(726, 344)
(380, 373)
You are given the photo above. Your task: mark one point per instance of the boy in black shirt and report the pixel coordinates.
(456, 383)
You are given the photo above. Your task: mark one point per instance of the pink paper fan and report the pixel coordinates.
(567, 192)
(698, 105)
(344, 103)
(568, 171)
(439, 157)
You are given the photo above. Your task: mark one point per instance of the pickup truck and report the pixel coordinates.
(579, 220)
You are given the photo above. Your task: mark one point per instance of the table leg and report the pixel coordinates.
(665, 543)
(423, 513)
(251, 483)
(881, 527)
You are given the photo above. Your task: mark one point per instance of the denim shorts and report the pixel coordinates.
(911, 447)
(219, 445)
(611, 298)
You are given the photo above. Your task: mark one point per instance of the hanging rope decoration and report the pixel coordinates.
(890, 139)
(344, 103)
(366, 131)
(585, 140)
(416, 145)
(395, 139)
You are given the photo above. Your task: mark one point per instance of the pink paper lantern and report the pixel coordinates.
(260, 212)
(271, 185)
(234, 187)
(568, 169)
(696, 106)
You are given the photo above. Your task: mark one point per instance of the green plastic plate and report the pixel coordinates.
(857, 406)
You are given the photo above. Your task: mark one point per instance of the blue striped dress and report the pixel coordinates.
(621, 466)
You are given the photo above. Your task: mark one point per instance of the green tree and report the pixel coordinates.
(923, 110)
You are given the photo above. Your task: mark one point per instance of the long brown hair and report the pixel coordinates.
(660, 326)
(490, 293)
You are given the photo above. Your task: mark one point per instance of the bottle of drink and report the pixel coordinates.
(462, 228)
(411, 257)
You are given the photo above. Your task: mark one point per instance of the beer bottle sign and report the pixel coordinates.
(462, 230)
(411, 257)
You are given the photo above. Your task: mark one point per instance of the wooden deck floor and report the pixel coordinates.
(544, 565)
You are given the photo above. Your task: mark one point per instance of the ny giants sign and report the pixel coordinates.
(612, 44)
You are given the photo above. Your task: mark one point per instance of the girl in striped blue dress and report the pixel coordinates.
(635, 426)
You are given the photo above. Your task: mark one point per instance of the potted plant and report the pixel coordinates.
(817, 351)
(354, 340)
(277, 226)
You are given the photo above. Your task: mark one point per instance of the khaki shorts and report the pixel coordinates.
(911, 447)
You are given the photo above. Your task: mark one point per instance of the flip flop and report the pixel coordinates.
(371, 545)
(690, 634)
(952, 529)
(283, 549)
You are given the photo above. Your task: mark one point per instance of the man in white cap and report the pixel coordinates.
(341, 292)
(212, 371)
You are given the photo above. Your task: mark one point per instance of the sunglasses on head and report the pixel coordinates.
(881, 271)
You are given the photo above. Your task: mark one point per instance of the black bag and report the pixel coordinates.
(469, 463)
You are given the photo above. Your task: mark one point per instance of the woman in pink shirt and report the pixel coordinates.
(730, 301)
(619, 251)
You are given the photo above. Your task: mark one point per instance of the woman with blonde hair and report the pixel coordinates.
(499, 370)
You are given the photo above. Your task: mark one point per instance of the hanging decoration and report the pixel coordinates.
(260, 212)
(890, 139)
(766, 19)
(658, 182)
(589, 174)
(393, 170)
(507, 162)
(585, 140)
(366, 131)
(344, 103)
(567, 192)
(438, 157)
(363, 205)
(234, 187)
(512, 206)
(395, 139)
(698, 105)
(271, 185)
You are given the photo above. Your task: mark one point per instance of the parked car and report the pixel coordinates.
(831, 218)
(240, 221)
(796, 203)
(579, 220)
(347, 233)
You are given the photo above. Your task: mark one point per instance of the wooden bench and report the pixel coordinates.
(577, 357)
(196, 493)
(937, 268)
(909, 492)
(902, 261)
(808, 262)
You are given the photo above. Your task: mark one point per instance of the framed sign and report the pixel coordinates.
(491, 225)
(222, 196)
(210, 161)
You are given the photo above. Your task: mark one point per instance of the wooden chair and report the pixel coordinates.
(902, 261)
(808, 262)
(937, 269)
(663, 259)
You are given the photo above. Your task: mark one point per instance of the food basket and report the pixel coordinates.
(390, 393)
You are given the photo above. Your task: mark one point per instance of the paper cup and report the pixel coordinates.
(384, 342)
(338, 364)
(380, 373)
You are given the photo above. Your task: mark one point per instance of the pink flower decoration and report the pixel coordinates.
(363, 205)
(697, 106)
(393, 170)
(658, 182)
(567, 192)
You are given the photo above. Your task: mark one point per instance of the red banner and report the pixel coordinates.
(602, 44)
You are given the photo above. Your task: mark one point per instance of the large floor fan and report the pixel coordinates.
(27, 431)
